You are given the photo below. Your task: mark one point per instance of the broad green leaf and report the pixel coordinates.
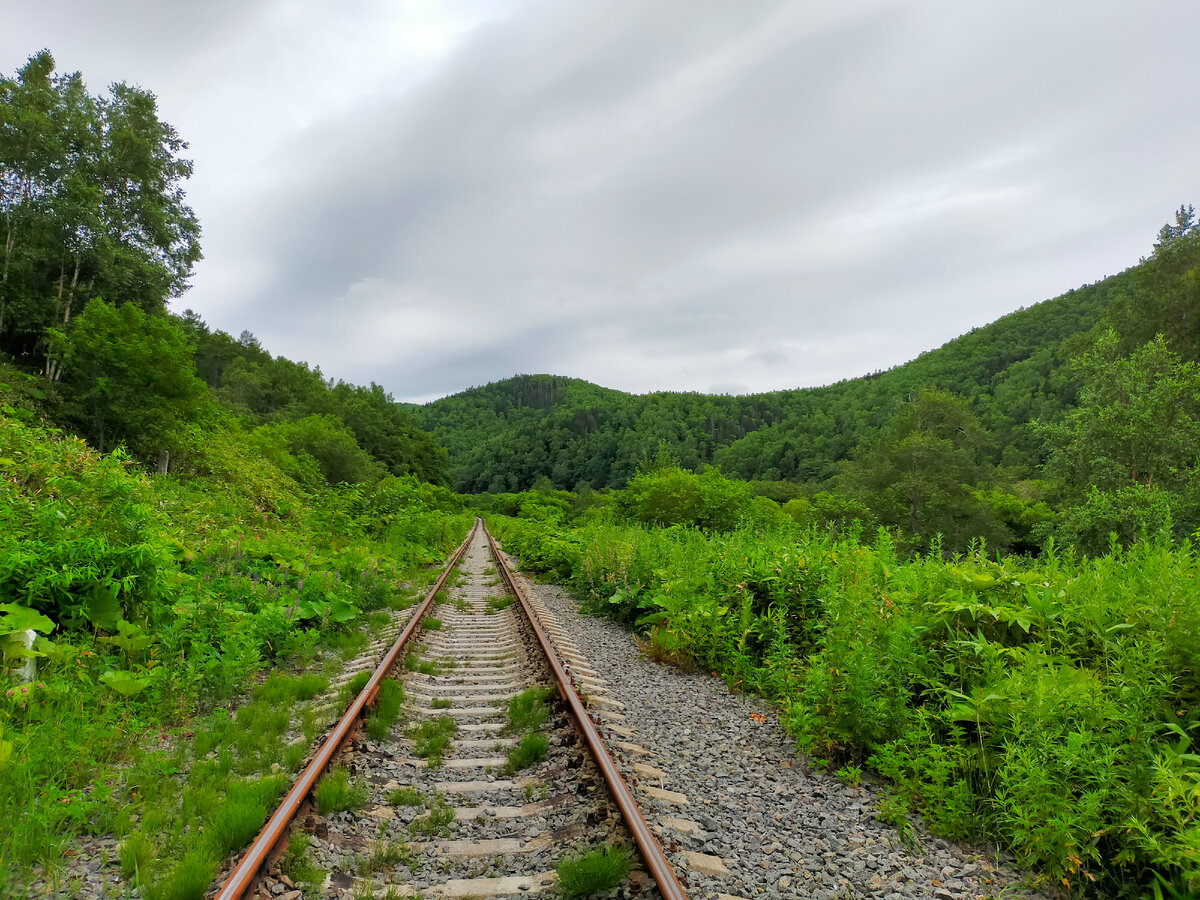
(126, 683)
(22, 618)
(311, 609)
(341, 611)
(13, 647)
(102, 608)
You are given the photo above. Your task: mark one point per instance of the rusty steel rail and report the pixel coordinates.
(647, 844)
(250, 866)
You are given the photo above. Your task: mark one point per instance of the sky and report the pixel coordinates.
(723, 197)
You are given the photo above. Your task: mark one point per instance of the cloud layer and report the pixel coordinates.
(678, 195)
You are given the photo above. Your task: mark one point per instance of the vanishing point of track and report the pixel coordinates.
(488, 655)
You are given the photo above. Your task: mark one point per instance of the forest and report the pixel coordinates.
(973, 575)
(1072, 419)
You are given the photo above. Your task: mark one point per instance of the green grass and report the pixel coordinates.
(283, 689)
(441, 703)
(529, 750)
(335, 793)
(349, 644)
(431, 623)
(436, 822)
(432, 738)
(389, 699)
(413, 662)
(387, 855)
(528, 711)
(387, 709)
(136, 854)
(593, 872)
(496, 604)
(296, 864)
(406, 796)
(378, 729)
(309, 725)
(294, 755)
(188, 880)
(354, 686)
(235, 824)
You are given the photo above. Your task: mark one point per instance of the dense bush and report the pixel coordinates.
(158, 599)
(76, 541)
(1049, 705)
(674, 496)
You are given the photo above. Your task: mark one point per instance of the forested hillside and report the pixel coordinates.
(507, 435)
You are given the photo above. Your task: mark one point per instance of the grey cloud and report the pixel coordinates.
(682, 195)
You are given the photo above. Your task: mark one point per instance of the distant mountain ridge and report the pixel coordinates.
(508, 434)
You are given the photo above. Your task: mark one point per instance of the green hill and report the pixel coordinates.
(507, 435)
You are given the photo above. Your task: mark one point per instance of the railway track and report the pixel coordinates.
(491, 774)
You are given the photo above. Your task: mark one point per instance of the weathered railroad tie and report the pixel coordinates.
(445, 814)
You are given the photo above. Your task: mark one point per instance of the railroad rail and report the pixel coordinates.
(486, 651)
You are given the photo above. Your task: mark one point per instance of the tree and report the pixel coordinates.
(1164, 297)
(92, 201)
(918, 473)
(1137, 422)
(1128, 457)
(128, 377)
(1185, 224)
(327, 440)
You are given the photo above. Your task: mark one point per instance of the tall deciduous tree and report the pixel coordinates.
(92, 203)
(1137, 423)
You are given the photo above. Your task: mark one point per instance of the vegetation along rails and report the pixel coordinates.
(452, 749)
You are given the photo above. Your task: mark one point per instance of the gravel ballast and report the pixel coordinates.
(780, 828)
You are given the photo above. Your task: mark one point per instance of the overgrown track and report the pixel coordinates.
(481, 787)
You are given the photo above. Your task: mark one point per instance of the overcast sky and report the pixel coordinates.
(650, 194)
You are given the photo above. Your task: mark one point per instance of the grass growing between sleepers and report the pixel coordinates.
(593, 872)
(387, 709)
(189, 880)
(528, 710)
(496, 604)
(354, 686)
(414, 661)
(406, 796)
(436, 822)
(529, 750)
(432, 738)
(387, 855)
